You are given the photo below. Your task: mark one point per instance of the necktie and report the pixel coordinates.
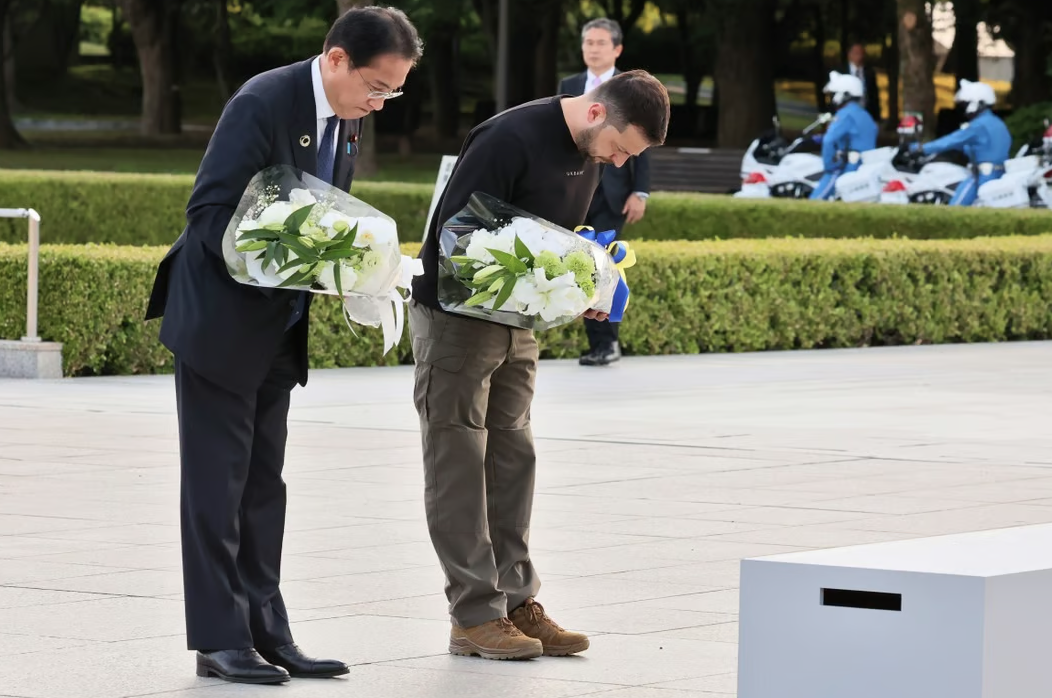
(326, 164)
(327, 150)
(594, 83)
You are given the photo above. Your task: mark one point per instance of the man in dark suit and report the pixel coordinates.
(622, 193)
(856, 65)
(239, 350)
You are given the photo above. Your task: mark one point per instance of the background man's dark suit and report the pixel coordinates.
(616, 184)
(236, 365)
(869, 83)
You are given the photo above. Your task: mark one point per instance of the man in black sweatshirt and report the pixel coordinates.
(475, 379)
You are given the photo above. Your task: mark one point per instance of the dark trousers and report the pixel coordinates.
(600, 216)
(232, 449)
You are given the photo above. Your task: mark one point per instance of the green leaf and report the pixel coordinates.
(336, 256)
(523, 252)
(478, 299)
(336, 275)
(352, 234)
(258, 234)
(299, 278)
(290, 265)
(505, 292)
(293, 243)
(509, 262)
(298, 217)
(272, 250)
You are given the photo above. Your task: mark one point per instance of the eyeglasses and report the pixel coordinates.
(376, 93)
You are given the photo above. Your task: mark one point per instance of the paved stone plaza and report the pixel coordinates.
(656, 477)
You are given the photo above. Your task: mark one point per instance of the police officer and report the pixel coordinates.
(852, 132)
(984, 138)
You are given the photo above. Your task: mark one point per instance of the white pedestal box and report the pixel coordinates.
(962, 616)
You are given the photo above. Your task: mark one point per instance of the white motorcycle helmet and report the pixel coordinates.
(976, 96)
(844, 88)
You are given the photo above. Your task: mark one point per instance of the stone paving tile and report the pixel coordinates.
(655, 479)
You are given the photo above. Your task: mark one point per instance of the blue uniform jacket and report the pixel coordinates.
(853, 129)
(984, 139)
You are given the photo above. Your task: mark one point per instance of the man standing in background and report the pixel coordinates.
(856, 66)
(622, 193)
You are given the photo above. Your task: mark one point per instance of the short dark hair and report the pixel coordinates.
(366, 33)
(636, 98)
(616, 36)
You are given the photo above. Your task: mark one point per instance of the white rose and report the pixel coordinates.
(276, 213)
(301, 197)
(327, 277)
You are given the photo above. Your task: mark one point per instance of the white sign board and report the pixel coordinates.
(445, 169)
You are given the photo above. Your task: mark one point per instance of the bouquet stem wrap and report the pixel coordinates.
(294, 231)
(623, 256)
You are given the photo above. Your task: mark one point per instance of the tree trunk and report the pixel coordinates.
(546, 69)
(918, 60)
(9, 136)
(845, 30)
(8, 65)
(1031, 83)
(66, 25)
(963, 60)
(691, 62)
(744, 69)
(442, 49)
(221, 51)
(819, 58)
(154, 27)
(890, 56)
(365, 166)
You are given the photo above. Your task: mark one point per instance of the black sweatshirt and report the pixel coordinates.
(524, 156)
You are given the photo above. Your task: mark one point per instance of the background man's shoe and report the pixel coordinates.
(531, 619)
(300, 666)
(602, 356)
(239, 666)
(496, 639)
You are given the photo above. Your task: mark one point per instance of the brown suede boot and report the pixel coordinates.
(496, 639)
(531, 619)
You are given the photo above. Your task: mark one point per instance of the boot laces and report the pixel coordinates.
(535, 613)
(508, 628)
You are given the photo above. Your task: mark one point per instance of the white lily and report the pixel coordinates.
(551, 299)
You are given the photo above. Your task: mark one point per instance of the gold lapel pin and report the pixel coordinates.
(304, 141)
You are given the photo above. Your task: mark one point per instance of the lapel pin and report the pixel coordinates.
(304, 141)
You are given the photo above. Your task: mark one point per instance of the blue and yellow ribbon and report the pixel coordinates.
(624, 257)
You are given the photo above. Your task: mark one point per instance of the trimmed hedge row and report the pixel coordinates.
(135, 209)
(688, 297)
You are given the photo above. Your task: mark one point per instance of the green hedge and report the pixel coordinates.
(135, 209)
(688, 297)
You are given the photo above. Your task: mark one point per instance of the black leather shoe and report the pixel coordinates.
(239, 666)
(301, 666)
(602, 356)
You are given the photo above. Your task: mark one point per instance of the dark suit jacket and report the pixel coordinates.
(872, 89)
(226, 331)
(617, 182)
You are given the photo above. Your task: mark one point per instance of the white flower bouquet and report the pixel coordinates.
(293, 231)
(502, 264)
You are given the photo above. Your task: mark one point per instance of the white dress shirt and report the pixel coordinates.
(592, 77)
(321, 103)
